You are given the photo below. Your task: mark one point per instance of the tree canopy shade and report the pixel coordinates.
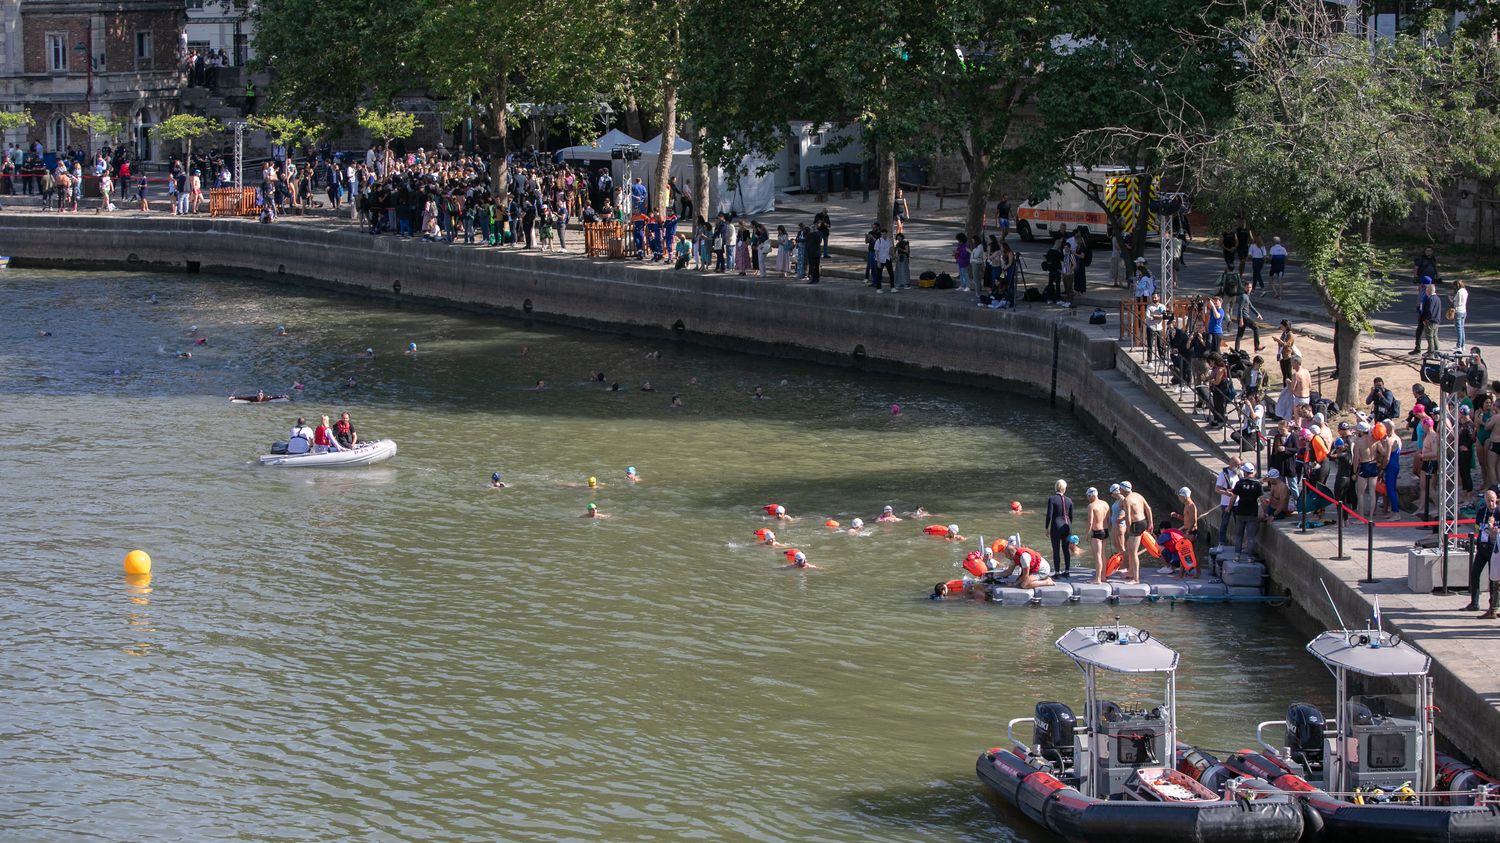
(16, 119)
(186, 128)
(387, 125)
(1329, 132)
(288, 130)
(101, 125)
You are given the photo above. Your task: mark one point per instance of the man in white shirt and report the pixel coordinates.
(883, 261)
(299, 441)
(1277, 254)
(1145, 285)
(1156, 320)
(1224, 485)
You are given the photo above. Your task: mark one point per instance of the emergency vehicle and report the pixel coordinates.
(1071, 205)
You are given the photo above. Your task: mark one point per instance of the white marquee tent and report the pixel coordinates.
(752, 194)
(599, 150)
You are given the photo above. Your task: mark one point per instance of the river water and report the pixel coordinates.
(402, 653)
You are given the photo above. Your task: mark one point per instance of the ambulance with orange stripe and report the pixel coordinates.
(1081, 201)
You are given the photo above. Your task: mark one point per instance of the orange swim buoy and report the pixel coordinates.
(1113, 565)
(771, 508)
(935, 530)
(1186, 557)
(1380, 488)
(791, 554)
(974, 564)
(831, 524)
(760, 535)
(957, 586)
(1148, 541)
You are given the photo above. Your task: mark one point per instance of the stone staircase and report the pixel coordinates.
(226, 103)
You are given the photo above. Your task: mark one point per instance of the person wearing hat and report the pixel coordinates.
(887, 515)
(1136, 517)
(1189, 514)
(1362, 452)
(1098, 527)
(593, 512)
(1278, 498)
(1247, 494)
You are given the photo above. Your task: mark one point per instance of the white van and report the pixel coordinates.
(1070, 206)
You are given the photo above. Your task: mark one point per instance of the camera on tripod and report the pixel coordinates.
(1448, 371)
(626, 152)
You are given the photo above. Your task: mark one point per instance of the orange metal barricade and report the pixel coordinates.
(597, 237)
(232, 202)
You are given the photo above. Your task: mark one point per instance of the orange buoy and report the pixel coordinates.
(1380, 488)
(791, 553)
(1113, 565)
(771, 508)
(955, 586)
(1186, 557)
(935, 530)
(137, 562)
(1148, 541)
(974, 564)
(831, 524)
(760, 535)
(997, 546)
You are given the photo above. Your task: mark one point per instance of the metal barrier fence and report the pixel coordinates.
(232, 202)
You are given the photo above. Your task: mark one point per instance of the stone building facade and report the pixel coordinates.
(117, 58)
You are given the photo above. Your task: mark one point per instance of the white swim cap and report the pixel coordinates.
(888, 509)
(857, 523)
(952, 528)
(1091, 492)
(770, 536)
(1125, 486)
(1114, 488)
(780, 510)
(1013, 541)
(800, 557)
(1184, 492)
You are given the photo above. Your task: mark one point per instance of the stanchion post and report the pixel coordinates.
(1369, 553)
(1340, 524)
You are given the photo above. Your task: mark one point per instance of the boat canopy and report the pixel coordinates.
(1369, 653)
(1118, 649)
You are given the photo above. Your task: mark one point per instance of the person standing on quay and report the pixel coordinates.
(1098, 515)
(1059, 518)
(1484, 550)
(814, 250)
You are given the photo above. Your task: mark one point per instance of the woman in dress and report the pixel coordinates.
(783, 251)
(742, 250)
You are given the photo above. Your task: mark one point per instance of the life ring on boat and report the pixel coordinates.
(1148, 541)
(935, 530)
(1113, 565)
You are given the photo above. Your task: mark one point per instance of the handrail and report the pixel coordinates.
(1258, 739)
(1010, 729)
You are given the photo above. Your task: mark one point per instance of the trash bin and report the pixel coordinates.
(854, 177)
(817, 179)
(836, 181)
(1419, 569)
(910, 172)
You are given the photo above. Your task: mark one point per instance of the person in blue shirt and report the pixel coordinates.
(1215, 322)
(638, 196)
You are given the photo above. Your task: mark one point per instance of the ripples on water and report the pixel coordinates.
(403, 653)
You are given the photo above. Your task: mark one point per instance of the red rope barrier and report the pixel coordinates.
(1319, 492)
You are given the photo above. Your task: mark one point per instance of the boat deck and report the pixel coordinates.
(1219, 581)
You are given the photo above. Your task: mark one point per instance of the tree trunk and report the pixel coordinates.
(668, 143)
(980, 179)
(499, 131)
(700, 176)
(886, 210)
(1346, 352)
(633, 125)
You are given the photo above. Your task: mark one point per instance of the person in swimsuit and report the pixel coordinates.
(631, 476)
(593, 512)
(495, 481)
(799, 562)
(1189, 514)
(887, 516)
(1137, 517)
(1098, 526)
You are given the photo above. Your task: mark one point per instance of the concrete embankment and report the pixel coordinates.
(1041, 351)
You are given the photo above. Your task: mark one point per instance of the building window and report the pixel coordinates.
(59, 134)
(143, 50)
(57, 52)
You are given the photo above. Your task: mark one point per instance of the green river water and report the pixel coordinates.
(402, 653)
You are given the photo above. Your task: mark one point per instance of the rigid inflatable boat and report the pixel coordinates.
(365, 453)
(1372, 775)
(1110, 776)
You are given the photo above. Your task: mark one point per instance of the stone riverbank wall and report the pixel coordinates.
(1039, 351)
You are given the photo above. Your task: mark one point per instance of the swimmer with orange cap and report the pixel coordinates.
(887, 516)
(767, 538)
(593, 512)
(798, 561)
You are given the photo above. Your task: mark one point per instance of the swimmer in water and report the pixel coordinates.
(349, 384)
(367, 354)
(411, 348)
(152, 299)
(783, 381)
(184, 355)
(767, 538)
(653, 355)
(201, 341)
(939, 591)
(192, 330)
(299, 385)
(280, 330)
(599, 377)
(44, 333)
(540, 385)
(953, 535)
(780, 514)
(260, 395)
(887, 516)
(920, 512)
(676, 401)
(692, 381)
(495, 481)
(631, 476)
(647, 387)
(593, 483)
(856, 526)
(799, 562)
(1015, 508)
(758, 394)
(593, 512)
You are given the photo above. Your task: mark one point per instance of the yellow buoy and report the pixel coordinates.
(137, 562)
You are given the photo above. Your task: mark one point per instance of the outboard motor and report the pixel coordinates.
(1304, 737)
(1052, 732)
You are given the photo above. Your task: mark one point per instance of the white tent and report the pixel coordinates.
(752, 194)
(598, 150)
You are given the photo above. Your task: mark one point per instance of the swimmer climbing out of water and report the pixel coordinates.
(495, 482)
(887, 516)
(799, 562)
(593, 512)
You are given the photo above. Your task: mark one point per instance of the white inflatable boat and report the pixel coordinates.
(366, 453)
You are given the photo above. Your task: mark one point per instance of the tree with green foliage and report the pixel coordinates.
(1330, 132)
(287, 130)
(10, 120)
(96, 125)
(388, 126)
(186, 128)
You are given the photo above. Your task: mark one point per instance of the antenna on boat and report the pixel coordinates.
(1332, 605)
